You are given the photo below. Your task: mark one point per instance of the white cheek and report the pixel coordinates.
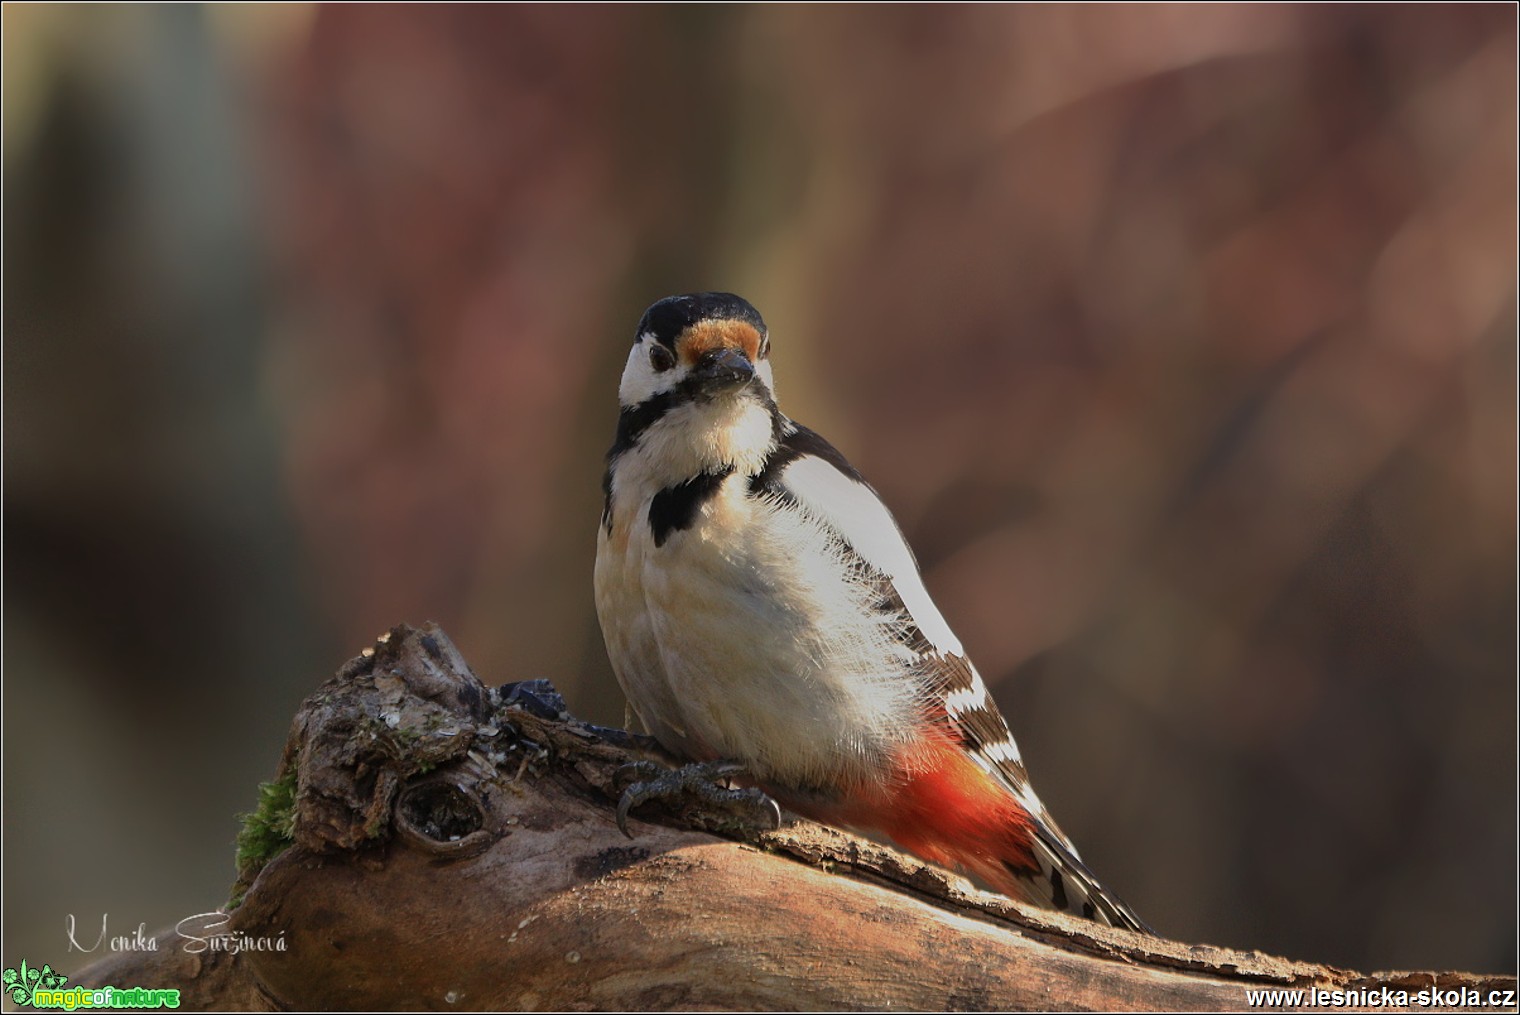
(763, 371)
(640, 380)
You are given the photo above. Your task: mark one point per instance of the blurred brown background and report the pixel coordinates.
(1180, 340)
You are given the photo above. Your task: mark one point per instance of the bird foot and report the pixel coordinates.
(699, 794)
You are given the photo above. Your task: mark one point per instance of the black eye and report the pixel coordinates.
(765, 346)
(661, 358)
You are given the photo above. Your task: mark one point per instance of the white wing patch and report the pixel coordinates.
(964, 699)
(1003, 751)
(854, 511)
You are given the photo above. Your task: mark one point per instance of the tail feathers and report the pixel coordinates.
(948, 808)
(1064, 883)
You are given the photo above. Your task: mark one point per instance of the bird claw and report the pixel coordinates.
(697, 792)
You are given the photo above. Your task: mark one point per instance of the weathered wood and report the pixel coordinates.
(454, 847)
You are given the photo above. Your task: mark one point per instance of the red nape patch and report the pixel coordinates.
(945, 808)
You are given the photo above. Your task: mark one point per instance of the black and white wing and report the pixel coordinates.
(812, 474)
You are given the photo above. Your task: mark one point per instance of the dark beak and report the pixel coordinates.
(723, 370)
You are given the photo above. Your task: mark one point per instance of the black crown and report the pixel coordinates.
(674, 314)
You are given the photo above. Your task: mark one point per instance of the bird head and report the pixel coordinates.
(696, 394)
(698, 348)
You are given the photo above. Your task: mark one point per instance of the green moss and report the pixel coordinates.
(270, 829)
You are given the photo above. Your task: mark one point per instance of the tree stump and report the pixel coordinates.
(432, 843)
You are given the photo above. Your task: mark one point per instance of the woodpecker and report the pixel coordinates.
(763, 612)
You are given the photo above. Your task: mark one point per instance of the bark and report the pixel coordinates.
(454, 847)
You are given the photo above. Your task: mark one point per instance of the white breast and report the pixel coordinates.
(748, 637)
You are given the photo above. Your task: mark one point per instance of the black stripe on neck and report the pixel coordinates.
(794, 441)
(635, 419)
(675, 508)
(607, 499)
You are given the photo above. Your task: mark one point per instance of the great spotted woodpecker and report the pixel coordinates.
(762, 609)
